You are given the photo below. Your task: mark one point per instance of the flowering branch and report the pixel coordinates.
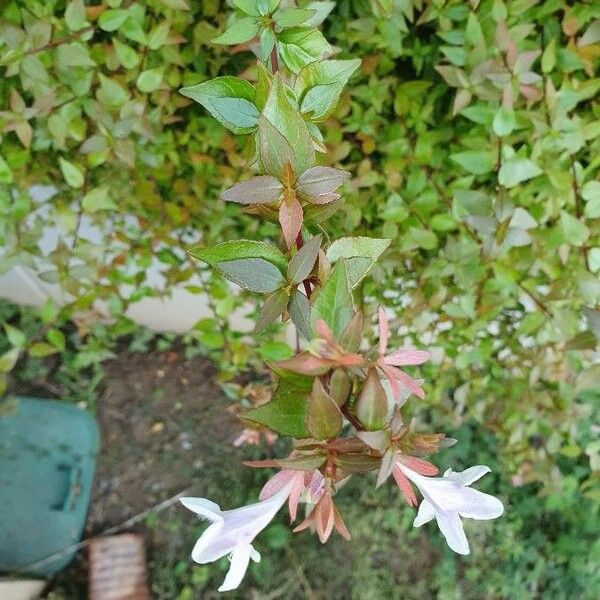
(339, 400)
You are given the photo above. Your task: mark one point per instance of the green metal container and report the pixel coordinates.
(48, 454)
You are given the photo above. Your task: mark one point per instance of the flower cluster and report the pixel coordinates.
(370, 436)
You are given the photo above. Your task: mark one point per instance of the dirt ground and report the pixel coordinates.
(161, 417)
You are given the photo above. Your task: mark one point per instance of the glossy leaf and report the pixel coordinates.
(230, 100)
(320, 84)
(303, 261)
(360, 254)
(321, 180)
(262, 189)
(299, 309)
(285, 118)
(333, 302)
(286, 413)
(243, 30)
(239, 249)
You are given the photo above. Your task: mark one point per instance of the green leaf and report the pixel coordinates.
(275, 151)
(590, 192)
(478, 162)
(299, 309)
(111, 93)
(300, 46)
(42, 349)
(319, 85)
(472, 203)
(255, 266)
(57, 338)
(575, 232)
(9, 359)
(504, 122)
(594, 259)
(303, 261)
(292, 17)
(6, 175)
(150, 80)
(254, 274)
(272, 308)
(71, 173)
(262, 189)
(128, 57)
(321, 180)
(324, 417)
(333, 302)
(158, 36)
(230, 100)
(75, 17)
(284, 117)
(516, 170)
(236, 249)
(286, 413)
(593, 320)
(250, 7)
(112, 19)
(15, 336)
(243, 30)
(360, 254)
(97, 199)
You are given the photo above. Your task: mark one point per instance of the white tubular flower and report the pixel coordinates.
(231, 532)
(449, 498)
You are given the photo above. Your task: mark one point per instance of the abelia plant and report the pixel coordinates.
(341, 401)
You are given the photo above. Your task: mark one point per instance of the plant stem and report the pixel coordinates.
(274, 60)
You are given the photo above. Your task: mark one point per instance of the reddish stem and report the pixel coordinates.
(274, 60)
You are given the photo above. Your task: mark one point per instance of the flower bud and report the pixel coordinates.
(339, 386)
(372, 404)
(324, 417)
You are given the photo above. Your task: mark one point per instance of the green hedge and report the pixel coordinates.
(471, 130)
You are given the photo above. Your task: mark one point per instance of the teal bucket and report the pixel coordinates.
(48, 455)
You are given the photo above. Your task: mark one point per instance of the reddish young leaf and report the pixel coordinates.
(290, 219)
(305, 364)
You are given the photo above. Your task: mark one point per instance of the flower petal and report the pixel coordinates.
(407, 381)
(405, 487)
(239, 564)
(394, 385)
(407, 357)
(383, 331)
(211, 545)
(425, 514)
(204, 508)
(470, 475)
(254, 554)
(278, 481)
(451, 527)
(486, 507)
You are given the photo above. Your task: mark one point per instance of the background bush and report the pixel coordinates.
(472, 132)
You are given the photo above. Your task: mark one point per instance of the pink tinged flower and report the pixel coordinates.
(231, 532)
(286, 477)
(389, 363)
(419, 465)
(449, 498)
(325, 517)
